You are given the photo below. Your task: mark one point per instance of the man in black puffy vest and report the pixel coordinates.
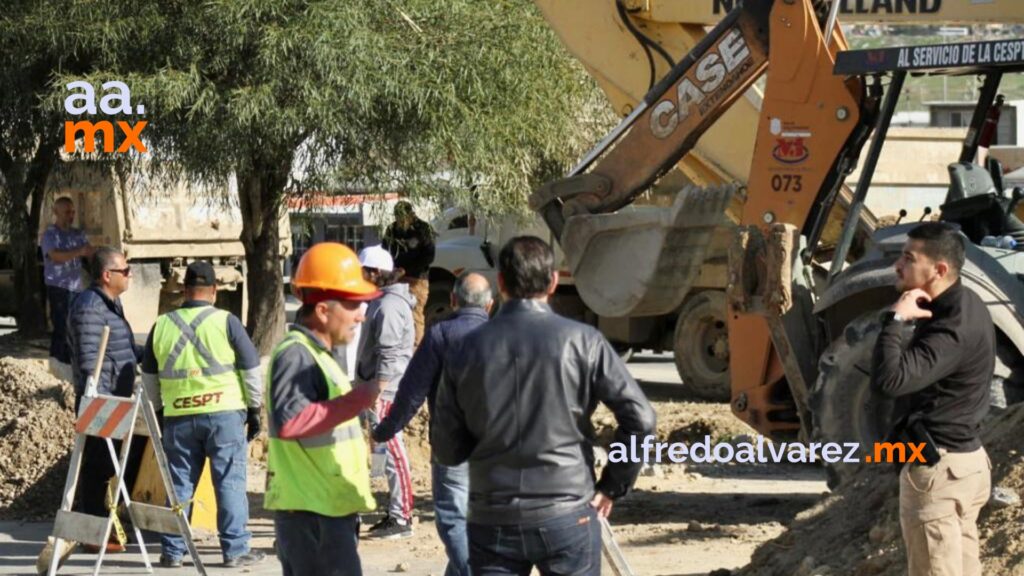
(90, 311)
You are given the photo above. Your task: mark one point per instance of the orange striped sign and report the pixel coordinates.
(105, 416)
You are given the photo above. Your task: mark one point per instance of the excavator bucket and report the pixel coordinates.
(653, 254)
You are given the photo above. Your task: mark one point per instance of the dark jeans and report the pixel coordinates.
(188, 442)
(309, 544)
(59, 300)
(567, 545)
(451, 498)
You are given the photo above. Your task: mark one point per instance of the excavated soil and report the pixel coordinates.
(856, 529)
(36, 433)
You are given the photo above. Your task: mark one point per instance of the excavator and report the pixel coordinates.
(801, 308)
(627, 46)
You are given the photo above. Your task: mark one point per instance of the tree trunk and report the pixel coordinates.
(26, 188)
(261, 192)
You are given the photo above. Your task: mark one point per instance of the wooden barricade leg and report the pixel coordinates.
(111, 417)
(177, 508)
(120, 471)
(70, 486)
(611, 551)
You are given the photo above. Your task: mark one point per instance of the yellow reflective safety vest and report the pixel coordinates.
(326, 474)
(196, 362)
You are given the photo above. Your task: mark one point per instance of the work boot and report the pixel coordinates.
(250, 558)
(168, 562)
(391, 528)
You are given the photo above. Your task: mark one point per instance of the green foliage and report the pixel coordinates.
(419, 96)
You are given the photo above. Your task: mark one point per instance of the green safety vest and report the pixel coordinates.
(196, 362)
(326, 474)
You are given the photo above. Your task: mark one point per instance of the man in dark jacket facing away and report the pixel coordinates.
(471, 301)
(946, 372)
(90, 312)
(515, 400)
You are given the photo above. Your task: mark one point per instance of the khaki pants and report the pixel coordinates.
(420, 288)
(939, 508)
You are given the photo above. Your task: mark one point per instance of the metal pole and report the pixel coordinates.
(857, 204)
(988, 95)
(830, 25)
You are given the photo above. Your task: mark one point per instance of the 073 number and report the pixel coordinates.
(787, 183)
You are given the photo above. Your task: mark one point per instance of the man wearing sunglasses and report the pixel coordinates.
(95, 308)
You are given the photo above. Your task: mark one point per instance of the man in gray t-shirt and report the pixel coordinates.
(63, 248)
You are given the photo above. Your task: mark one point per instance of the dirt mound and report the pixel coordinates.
(856, 530)
(36, 434)
(680, 422)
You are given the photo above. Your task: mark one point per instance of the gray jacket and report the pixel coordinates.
(387, 340)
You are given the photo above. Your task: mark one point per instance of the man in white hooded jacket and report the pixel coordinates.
(385, 348)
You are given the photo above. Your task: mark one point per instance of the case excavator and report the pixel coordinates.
(627, 46)
(807, 276)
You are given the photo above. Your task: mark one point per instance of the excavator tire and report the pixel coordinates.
(843, 406)
(845, 409)
(701, 346)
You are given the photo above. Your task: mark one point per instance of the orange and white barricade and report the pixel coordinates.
(116, 418)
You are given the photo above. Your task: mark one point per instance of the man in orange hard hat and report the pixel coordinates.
(318, 481)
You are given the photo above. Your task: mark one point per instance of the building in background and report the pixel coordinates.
(1010, 132)
(356, 219)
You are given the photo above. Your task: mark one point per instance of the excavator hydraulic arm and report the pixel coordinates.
(809, 134)
(667, 123)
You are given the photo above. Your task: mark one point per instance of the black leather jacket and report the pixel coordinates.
(515, 399)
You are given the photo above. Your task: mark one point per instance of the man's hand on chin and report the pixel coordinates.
(908, 307)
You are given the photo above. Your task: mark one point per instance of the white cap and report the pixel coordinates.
(376, 257)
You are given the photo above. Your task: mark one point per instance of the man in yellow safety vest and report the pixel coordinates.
(202, 370)
(318, 481)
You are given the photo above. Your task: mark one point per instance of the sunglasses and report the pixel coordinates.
(127, 270)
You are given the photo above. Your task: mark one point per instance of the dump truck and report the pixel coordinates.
(161, 226)
(807, 276)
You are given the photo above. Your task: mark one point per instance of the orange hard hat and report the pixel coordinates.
(329, 271)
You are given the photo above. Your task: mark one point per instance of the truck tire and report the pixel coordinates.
(845, 409)
(701, 346)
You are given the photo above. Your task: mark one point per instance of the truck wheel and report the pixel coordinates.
(439, 303)
(843, 407)
(701, 346)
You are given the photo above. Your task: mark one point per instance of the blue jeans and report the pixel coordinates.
(309, 544)
(451, 498)
(565, 545)
(188, 442)
(59, 299)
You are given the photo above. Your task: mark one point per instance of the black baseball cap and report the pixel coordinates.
(200, 273)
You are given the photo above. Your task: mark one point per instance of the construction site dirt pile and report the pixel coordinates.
(36, 434)
(856, 529)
